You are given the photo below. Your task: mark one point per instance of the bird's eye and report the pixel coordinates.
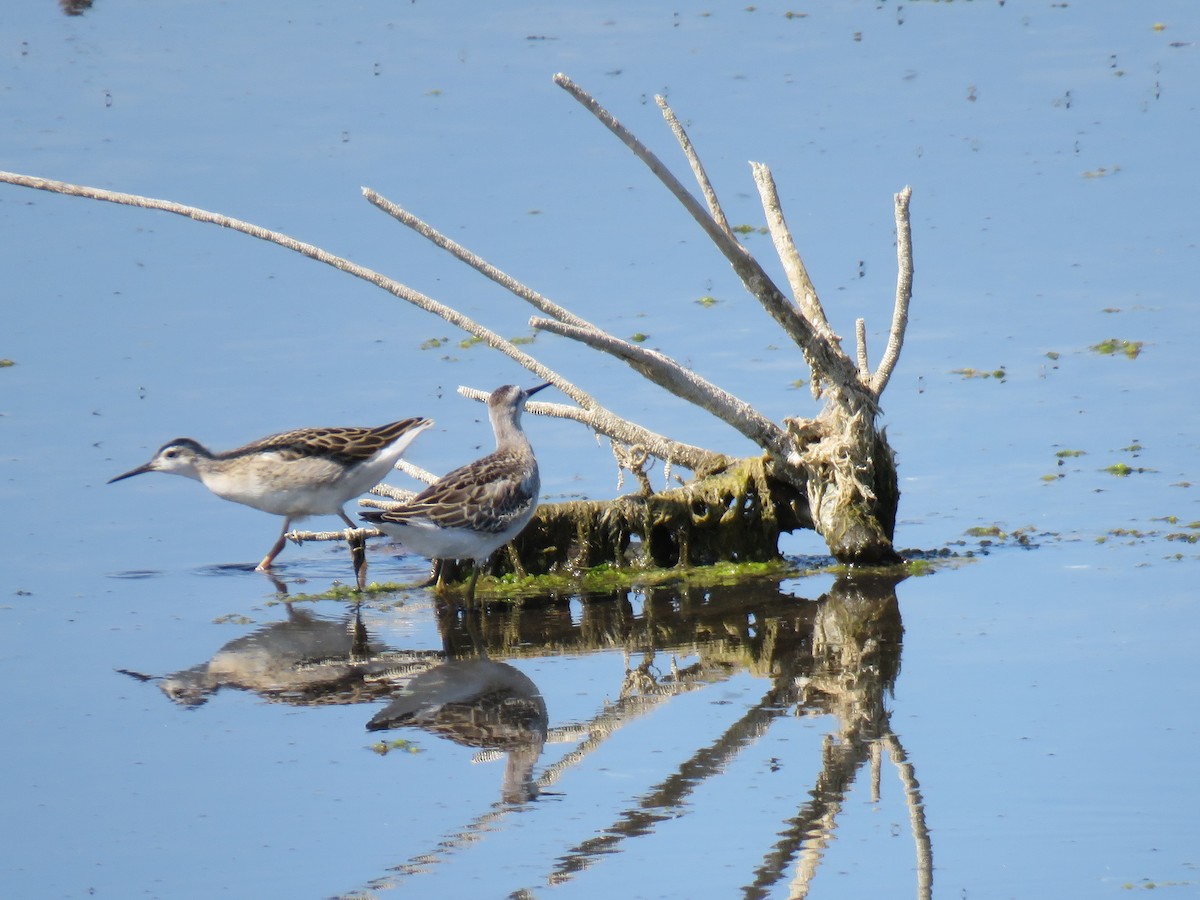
(171, 454)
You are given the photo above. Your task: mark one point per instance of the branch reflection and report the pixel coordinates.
(836, 657)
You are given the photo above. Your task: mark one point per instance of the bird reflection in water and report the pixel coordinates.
(304, 660)
(477, 703)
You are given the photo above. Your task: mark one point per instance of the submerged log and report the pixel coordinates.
(735, 515)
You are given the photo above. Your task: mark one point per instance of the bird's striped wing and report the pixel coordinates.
(486, 496)
(344, 445)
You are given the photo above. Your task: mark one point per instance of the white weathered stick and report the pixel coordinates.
(683, 383)
(200, 215)
(860, 339)
(689, 151)
(299, 537)
(823, 357)
(600, 420)
(803, 290)
(904, 279)
(476, 262)
(590, 412)
(415, 472)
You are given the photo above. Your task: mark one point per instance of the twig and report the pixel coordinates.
(299, 537)
(476, 262)
(312, 252)
(415, 472)
(689, 151)
(681, 382)
(860, 338)
(600, 420)
(590, 412)
(904, 277)
(368, 503)
(392, 493)
(793, 266)
(825, 358)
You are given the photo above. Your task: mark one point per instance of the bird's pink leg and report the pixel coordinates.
(275, 551)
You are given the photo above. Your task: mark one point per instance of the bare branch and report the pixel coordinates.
(824, 357)
(368, 503)
(604, 422)
(299, 537)
(393, 287)
(392, 492)
(683, 383)
(416, 472)
(793, 266)
(592, 413)
(476, 262)
(706, 188)
(860, 336)
(904, 278)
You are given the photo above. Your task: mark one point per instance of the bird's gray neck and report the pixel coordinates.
(507, 427)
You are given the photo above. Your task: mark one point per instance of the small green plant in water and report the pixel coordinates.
(706, 301)
(999, 374)
(991, 531)
(1113, 346)
(233, 619)
(383, 748)
(919, 567)
(432, 343)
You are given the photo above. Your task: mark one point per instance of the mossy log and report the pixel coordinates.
(735, 515)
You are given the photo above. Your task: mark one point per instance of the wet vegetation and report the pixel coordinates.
(1113, 346)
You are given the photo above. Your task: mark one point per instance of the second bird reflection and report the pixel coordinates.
(477, 703)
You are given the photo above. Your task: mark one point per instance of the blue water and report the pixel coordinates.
(1045, 695)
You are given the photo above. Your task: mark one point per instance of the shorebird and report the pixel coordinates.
(306, 472)
(478, 508)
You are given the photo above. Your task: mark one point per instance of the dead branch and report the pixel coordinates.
(689, 151)
(793, 266)
(904, 279)
(667, 373)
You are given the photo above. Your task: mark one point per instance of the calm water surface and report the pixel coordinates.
(1020, 725)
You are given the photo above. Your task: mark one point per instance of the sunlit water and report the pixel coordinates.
(1044, 697)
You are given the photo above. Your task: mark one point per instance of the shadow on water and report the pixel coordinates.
(836, 656)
